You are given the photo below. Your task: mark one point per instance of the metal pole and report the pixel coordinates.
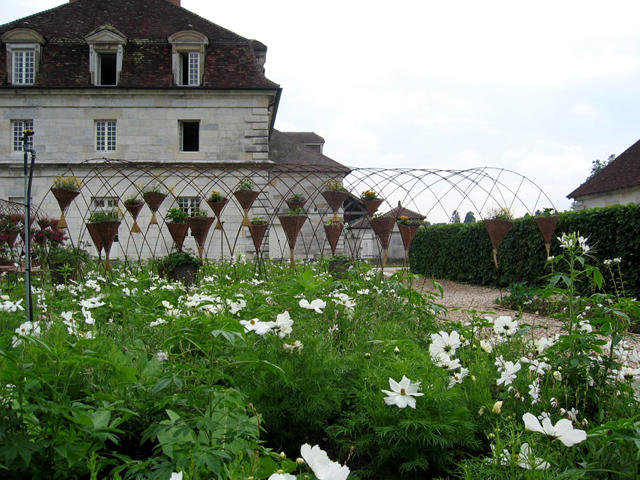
(28, 175)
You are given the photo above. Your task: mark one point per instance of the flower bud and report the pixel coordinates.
(283, 455)
(497, 407)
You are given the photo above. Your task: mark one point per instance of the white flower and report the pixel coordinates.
(364, 291)
(443, 342)
(88, 317)
(538, 367)
(297, 345)
(322, 466)
(281, 476)
(93, 302)
(486, 346)
(563, 430)
(176, 476)
(534, 391)
(509, 374)
(9, 306)
(528, 461)
(162, 357)
(255, 325)
(317, 304)
(284, 322)
(158, 321)
(402, 393)
(505, 326)
(458, 377)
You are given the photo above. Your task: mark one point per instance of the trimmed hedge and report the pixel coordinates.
(462, 252)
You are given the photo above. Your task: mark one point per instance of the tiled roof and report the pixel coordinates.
(230, 60)
(623, 172)
(306, 137)
(286, 149)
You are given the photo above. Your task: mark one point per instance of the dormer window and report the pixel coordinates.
(23, 55)
(106, 49)
(188, 51)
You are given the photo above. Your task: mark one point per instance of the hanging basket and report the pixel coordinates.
(408, 233)
(335, 200)
(257, 234)
(134, 210)
(292, 224)
(382, 227)
(106, 231)
(178, 232)
(64, 197)
(217, 207)
(333, 232)
(11, 238)
(372, 205)
(200, 228)
(497, 229)
(154, 200)
(294, 205)
(547, 226)
(48, 222)
(245, 199)
(93, 233)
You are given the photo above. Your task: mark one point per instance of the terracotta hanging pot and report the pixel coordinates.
(217, 208)
(245, 199)
(335, 199)
(11, 238)
(95, 238)
(64, 197)
(134, 210)
(372, 205)
(154, 200)
(292, 224)
(294, 205)
(333, 231)
(257, 231)
(408, 233)
(382, 227)
(48, 222)
(178, 232)
(106, 232)
(547, 226)
(497, 229)
(200, 228)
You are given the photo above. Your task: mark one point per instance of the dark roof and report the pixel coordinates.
(230, 61)
(623, 172)
(306, 137)
(286, 149)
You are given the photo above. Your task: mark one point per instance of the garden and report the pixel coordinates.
(281, 373)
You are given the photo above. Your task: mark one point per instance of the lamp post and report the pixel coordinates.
(28, 177)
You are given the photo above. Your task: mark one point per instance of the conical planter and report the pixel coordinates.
(64, 197)
(335, 199)
(154, 200)
(217, 208)
(294, 205)
(333, 231)
(497, 229)
(106, 232)
(200, 228)
(292, 224)
(547, 226)
(372, 205)
(382, 227)
(134, 209)
(178, 232)
(408, 233)
(11, 238)
(95, 238)
(245, 199)
(257, 231)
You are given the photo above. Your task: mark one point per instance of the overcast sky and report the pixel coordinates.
(541, 88)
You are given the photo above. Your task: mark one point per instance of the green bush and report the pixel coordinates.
(463, 252)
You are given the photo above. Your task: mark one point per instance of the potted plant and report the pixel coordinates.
(181, 266)
(335, 194)
(177, 225)
(44, 222)
(65, 262)
(134, 204)
(65, 190)
(382, 226)
(498, 223)
(339, 266)
(292, 224)
(246, 196)
(217, 202)
(333, 230)
(295, 201)
(104, 224)
(257, 229)
(547, 220)
(153, 195)
(11, 226)
(199, 222)
(371, 201)
(408, 228)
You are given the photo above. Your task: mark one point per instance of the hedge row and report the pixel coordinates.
(462, 252)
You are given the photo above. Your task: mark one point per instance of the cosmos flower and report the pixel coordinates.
(402, 393)
(322, 466)
(444, 343)
(505, 326)
(508, 375)
(317, 304)
(528, 461)
(563, 430)
(255, 325)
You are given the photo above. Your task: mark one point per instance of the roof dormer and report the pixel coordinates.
(188, 52)
(106, 49)
(23, 55)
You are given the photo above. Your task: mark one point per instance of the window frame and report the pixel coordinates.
(181, 133)
(189, 45)
(105, 137)
(17, 130)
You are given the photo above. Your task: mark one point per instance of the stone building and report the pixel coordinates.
(123, 94)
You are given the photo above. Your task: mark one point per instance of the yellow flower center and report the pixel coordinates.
(403, 391)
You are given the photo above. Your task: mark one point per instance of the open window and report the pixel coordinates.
(189, 136)
(106, 49)
(188, 52)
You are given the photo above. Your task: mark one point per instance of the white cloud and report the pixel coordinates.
(585, 109)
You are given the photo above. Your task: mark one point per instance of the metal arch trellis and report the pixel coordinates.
(429, 193)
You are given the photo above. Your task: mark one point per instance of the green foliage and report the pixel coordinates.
(469, 218)
(597, 165)
(245, 184)
(176, 215)
(176, 259)
(455, 217)
(106, 215)
(71, 256)
(463, 252)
